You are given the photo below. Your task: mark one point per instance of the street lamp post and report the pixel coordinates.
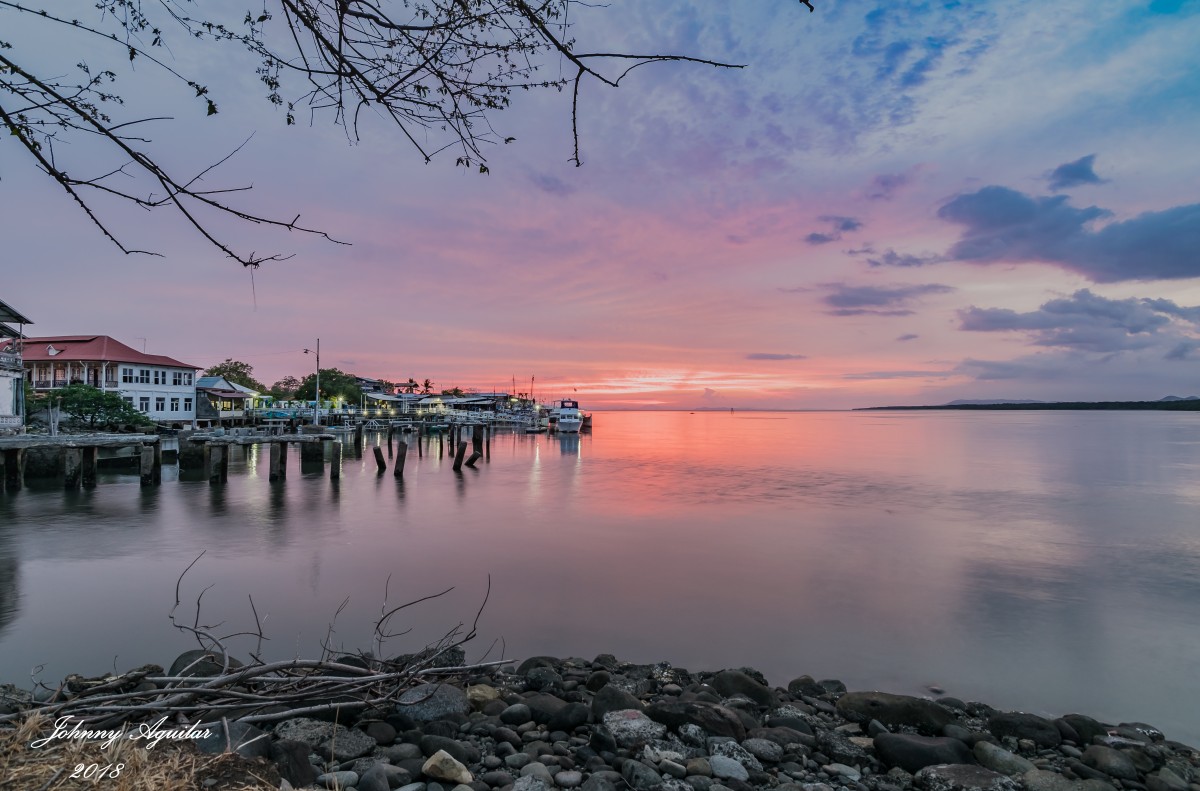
(317, 393)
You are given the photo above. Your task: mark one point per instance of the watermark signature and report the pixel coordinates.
(68, 728)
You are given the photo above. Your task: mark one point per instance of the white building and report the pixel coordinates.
(162, 388)
(12, 390)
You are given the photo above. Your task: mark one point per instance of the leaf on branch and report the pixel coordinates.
(212, 107)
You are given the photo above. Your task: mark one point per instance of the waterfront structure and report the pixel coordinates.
(160, 387)
(12, 388)
(222, 402)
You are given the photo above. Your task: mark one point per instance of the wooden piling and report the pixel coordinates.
(88, 472)
(487, 443)
(276, 462)
(440, 448)
(401, 455)
(390, 428)
(358, 437)
(14, 469)
(380, 462)
(420, 455)
(146, 465)
(477, 439)
(475, 456)
(335, 460)
(156, 467)
(72, 467)
(458, 456)
(216, 463)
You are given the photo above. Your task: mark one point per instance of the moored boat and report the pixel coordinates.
(570, 418)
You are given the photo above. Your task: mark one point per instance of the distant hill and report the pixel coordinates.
(984, 401)
(1169, 403)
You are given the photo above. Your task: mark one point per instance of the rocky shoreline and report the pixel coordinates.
(605, 725)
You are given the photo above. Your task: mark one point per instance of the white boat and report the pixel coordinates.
(570, 419)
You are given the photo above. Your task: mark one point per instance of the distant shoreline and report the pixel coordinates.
(1189, 405)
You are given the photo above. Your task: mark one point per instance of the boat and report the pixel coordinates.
(570, 419)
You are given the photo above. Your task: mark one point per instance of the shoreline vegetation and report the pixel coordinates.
(1179, 405)
(429, 722)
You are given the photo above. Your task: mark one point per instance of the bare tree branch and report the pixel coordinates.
(436, 70)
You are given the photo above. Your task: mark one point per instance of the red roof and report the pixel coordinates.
(91, 348)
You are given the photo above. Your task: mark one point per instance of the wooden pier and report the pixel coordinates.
(215, 452)
(79, 456)
(210, 451)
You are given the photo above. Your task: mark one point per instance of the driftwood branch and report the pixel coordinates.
(260, 691)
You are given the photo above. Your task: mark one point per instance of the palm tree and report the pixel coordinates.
(427, 387)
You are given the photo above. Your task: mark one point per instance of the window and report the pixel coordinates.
(127, 400)
(187, 405)
(160, 404)
(187, 378)
(127, 375)
(144, 403)
(144, 376)
(177, 378)
(174, 404)
(160, 377)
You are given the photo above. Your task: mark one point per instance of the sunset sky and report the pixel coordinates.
(892, 203)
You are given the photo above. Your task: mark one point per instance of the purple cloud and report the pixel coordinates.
(878, 300)
(1072, 174)
(1001, 225)
(770, 356)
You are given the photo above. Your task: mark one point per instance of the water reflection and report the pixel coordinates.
(1049, 562)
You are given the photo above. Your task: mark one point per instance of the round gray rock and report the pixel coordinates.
(428, 702)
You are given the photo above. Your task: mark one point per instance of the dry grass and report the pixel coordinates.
(170, 766)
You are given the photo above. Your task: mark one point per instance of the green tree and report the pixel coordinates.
(427, 387)
(457, 392)
(238, 372)
(285, 389)
(439, 70)
(334, 384)
(96, 408)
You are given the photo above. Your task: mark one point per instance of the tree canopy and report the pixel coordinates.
(334, 384)
(438, 70)
(95, 408)
(237, 372)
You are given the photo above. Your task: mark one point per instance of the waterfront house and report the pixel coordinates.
(12, 388)
(221, 402)
(160, 387)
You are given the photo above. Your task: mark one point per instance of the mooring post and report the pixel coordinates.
(358, 437)
(283, 454)
(401, 455)
(389, 441)
(72, 467)
(440, 449)
(475, 455)
(487, 443)
(14, 469)
(214, 457)
(88, 473)
(380, 462)
(335, 459)
(146, 465)
(459, 454)
(274, 475)
(157, 465)
(477, 439)
(420, 455)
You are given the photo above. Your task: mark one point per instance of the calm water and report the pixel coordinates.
(1042, 561)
